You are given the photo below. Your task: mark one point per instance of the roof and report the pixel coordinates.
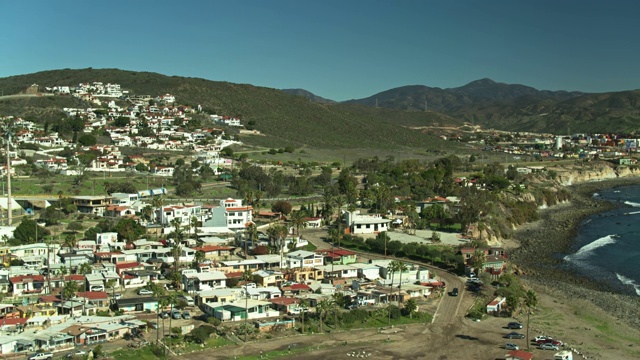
(26, 278)
(284, 301)
(209, 248)
(15, 321)
(519, 354)
(93, 295)
(123, 266)
(299, 287)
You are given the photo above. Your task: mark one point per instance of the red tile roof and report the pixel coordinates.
(26, 278)
(300, 287)
(14, 321)
(129, 265)
(284, 301)
(521, 354)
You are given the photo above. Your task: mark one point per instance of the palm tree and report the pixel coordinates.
(401, 267)
(392, 268)
(304, 305)
(171, 298)
(530, 301)
(410, 306)
(246, 277)
(193, 222)
(299, 220)
(252, 232)
(85, 269)
(321, 309)
(199, 257)
(157, 202)
(158, 293)
(176, 251)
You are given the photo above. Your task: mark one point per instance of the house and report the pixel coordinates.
(338, 256)
(137, 304)
(268, 277)
(286, 305)
(301, 275)
(204, 281)
(367, 271)
(496, 305)
(98, 299)
(338, 271)
(241, 309)
(183, 213)
(213, 252)
(314, 222)
(302, 259)
(263, 293)
(221, 295)
(366, 224)
(296, 289)
(27, 284)
(95, 205)
(236, 215)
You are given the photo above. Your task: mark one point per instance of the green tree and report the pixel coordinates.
(410, 307)
(299, 220)
(87, 140)
(84, 269)
(70, 289)
(283, 207)
(75, 226)
(321, 310)
(304, 305)
(26, 232)
(129, 229)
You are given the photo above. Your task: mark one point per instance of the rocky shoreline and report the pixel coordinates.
(539, 243)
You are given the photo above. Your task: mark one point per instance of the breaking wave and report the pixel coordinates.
(625, 280)
(630, 203)
(588, 249)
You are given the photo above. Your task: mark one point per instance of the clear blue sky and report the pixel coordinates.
(336, 49)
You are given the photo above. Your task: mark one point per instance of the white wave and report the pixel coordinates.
(632, 204)
(625, 280)
(596, 194)
(588, 249)
(617, 191)
(632, 213)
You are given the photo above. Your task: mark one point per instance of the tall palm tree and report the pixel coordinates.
(299, 220)
(530, 301)
(252, 232)
(401, 267)
(392, 268)
(246, 277)
(157, 202)
(193, 222)
(321, 309)
(304, 305)
(159, 293)
(171, 298)
(176, 251)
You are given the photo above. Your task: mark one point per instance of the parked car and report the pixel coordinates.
(511, 346)
(549, 347)
(77, 353)
(514, 325)
(117, 296)
(514, 335)
(163, 315)
(176, 315)
(41, 356)
(454, 292)
(549, 341)
(186, 315)
(541, 337)
(145, 292)
(187, 299)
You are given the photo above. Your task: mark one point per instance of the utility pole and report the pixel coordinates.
(9, 182)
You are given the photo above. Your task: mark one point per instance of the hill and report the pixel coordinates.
(517, 107)
(286, 119)
(309, 95)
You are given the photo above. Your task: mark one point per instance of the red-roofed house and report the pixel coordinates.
(296, 289)
(27, 284)
(284, 304)
(12, 324)
(121, 267)
(496, 305)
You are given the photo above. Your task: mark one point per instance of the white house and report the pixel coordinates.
(303, 259)
(182, 212)
(236, 215)
(366, 224)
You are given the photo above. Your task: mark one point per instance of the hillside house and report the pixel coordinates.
(366, 224)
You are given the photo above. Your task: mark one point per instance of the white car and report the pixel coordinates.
(77, 353)
(145, 292)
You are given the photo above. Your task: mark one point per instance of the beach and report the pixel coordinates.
(535, 249)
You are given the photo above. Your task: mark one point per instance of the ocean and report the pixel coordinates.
(607, 245)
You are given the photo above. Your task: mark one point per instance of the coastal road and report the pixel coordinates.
(448, 310)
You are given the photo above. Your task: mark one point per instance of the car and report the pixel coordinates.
(514, 335)
(454, 292)
(514, 325)
(511, 346)
(549, 341)
(187, 299)
(548, 347)
(163, 315)
(176, 315)
(77, 353)
(41, 356)
(186, 315)
(541, 337)
(117, 296)
(145, 292)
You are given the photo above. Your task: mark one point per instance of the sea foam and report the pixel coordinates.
(630, 203)
(625, 280)
(588, 249)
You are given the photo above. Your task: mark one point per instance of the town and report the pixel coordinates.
(151, 258)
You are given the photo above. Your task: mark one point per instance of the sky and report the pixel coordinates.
(343, 49)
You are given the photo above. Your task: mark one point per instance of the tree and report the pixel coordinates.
(129, 229)
(75, 226)
(246, 277)
(299, 220)
(400, 267)
(70, 241)
(303, 305)
(176, 251)
(283, 207)
(321, 309)
(513, 302)
(410, 307)
(70, 289)
(51, 216)
(87, 140)
(26, 232)
(84, 269)
(251, 232)
(478, 259)
(530, 301)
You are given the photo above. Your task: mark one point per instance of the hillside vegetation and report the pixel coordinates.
(286, 119)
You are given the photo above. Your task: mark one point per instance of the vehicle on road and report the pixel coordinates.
(77, 353)
(511, 346)
(454, 292)
(41, 356)
(548, 347)
(514, 325)
(514, 335)
(145, 292)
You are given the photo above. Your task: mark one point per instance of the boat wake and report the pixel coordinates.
(587, 250)
(630, 203)
(632, 213)
(625, 280)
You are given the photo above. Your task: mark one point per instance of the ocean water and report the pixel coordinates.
(607, 246)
